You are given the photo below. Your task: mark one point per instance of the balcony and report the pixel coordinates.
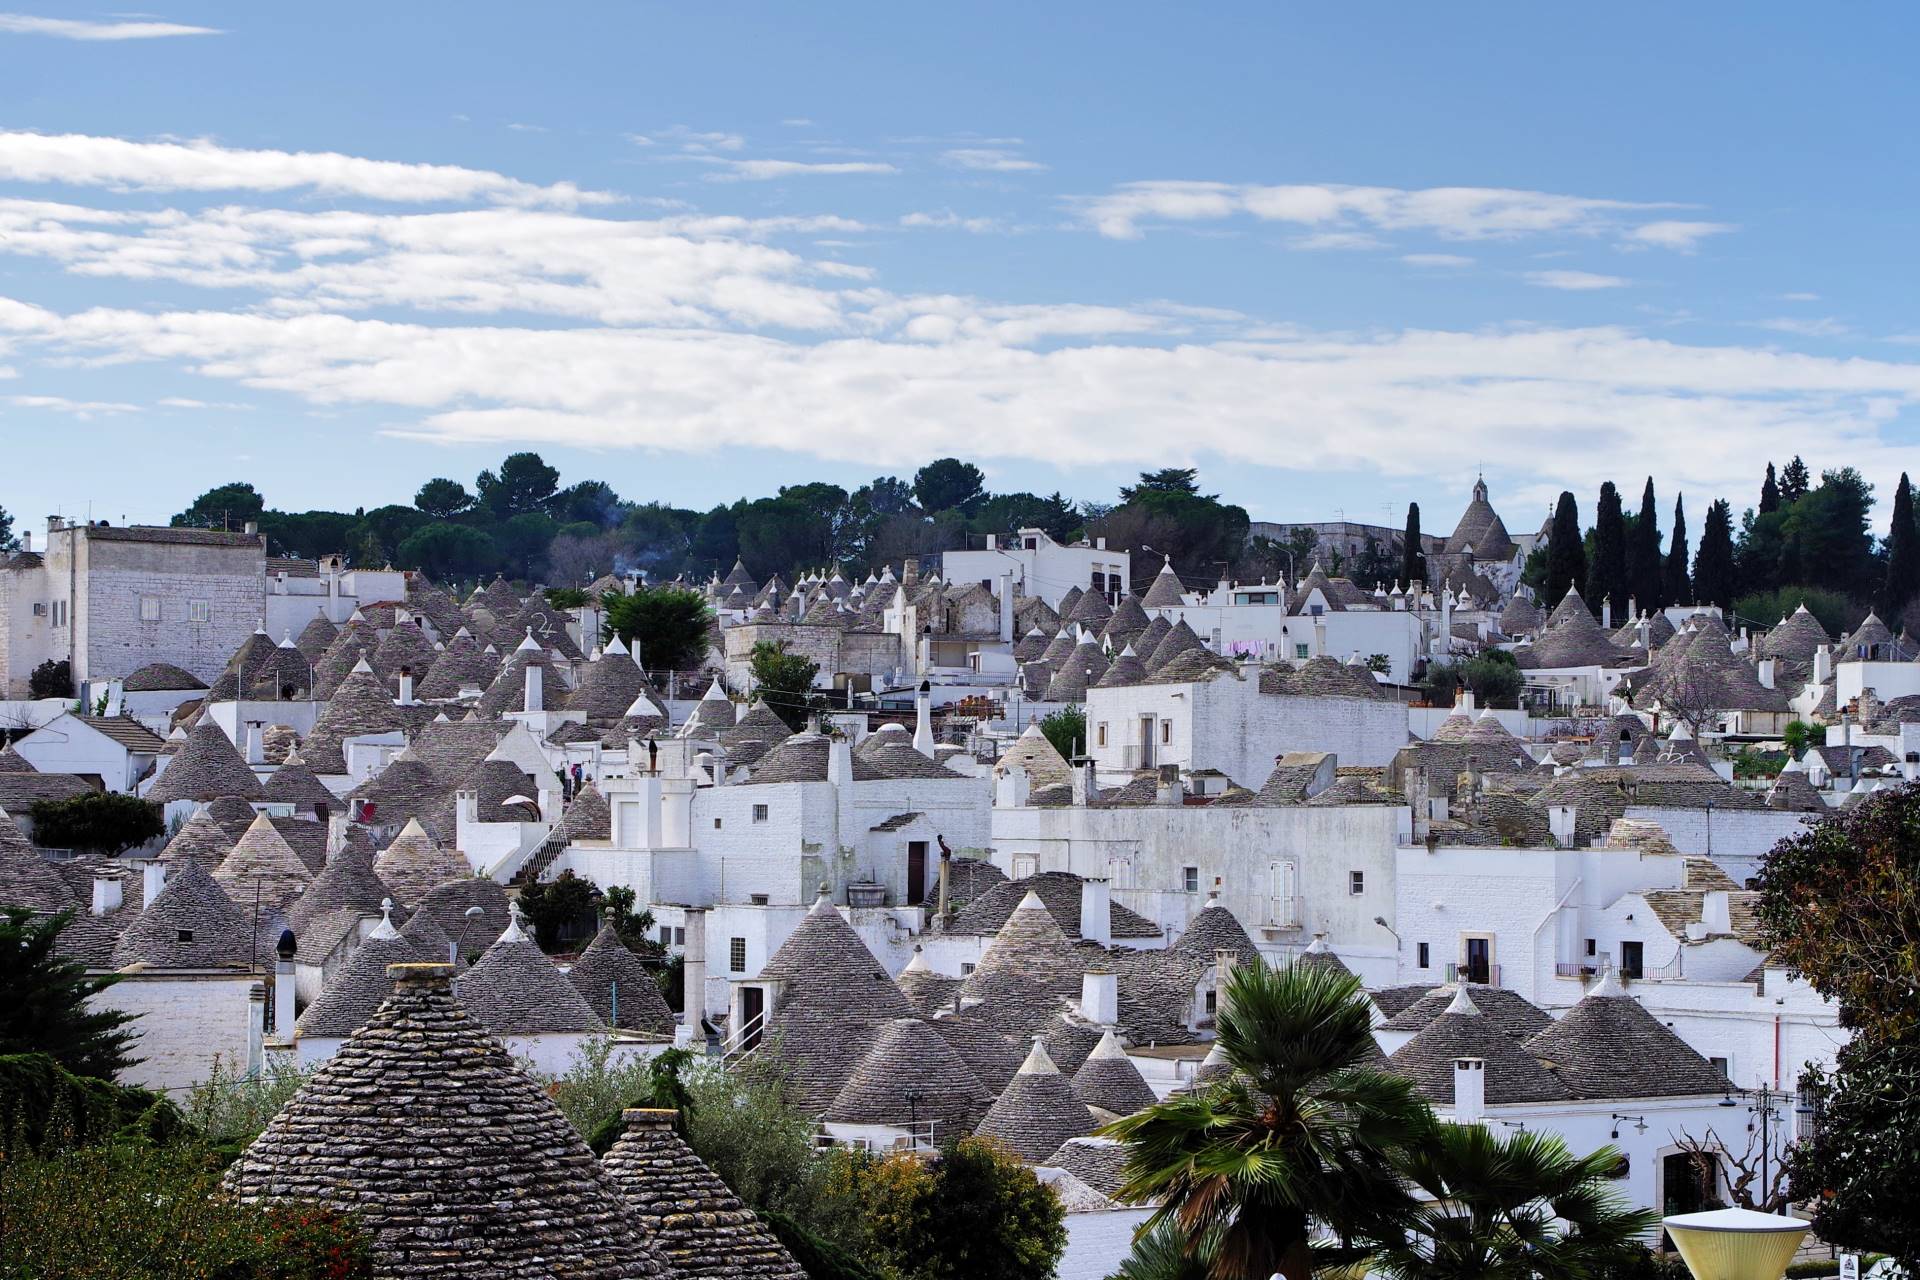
(1482, 975)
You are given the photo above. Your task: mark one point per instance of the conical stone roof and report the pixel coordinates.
(26, 878)
(1127, 669)
(620, 990)
(1091, 611)
(1512, 1074)
(406, 646)
(1165, 593)
(347, 882)
(1027, 974)
(1109, 1080)
(609, 684)
(1077, 672)
(295, 784)
(508, 692)
(909, 1057)
(1035, 753)
(190, 924)
(1179, 639)
(1128, 622)
(515, 990)
(466, 663)
(316, 638)
(263, 868)
(360, 704)
(451, 1159)
(355, 644)
(200, 838)
(1037, 1111)
(206, 767)
(361, 986)
(1608, 1046)
(1571, 638)
(692, 1219)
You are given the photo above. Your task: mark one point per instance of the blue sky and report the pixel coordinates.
(1338, 258)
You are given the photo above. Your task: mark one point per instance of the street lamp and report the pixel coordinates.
(1736, 1244)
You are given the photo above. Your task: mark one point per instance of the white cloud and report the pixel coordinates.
(766, 170)
(1683, 237)
(84, 161)
(82, 409)
(1577, 281)
(991, 160)
(1454, 213)
(1799, 297)
(517, 127)
(1337, 240)
(1810, 327)
(74, 29)
(797, 122)
(1435, 260)
(948, 220)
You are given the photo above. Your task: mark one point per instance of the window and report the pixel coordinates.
(199, 611)
(966, 969)
(666, 935)
(1102, 729)
(716, 824)
(1024, 865)
(1301, 651)
(1190, 879)
(1316, 610)
(1593, 947)
(59, 613)
(1166, 731)
(1213, 1001)
(1632, 959)
(149, 608)
(679, 935)
(1718, 1064)
(185, 935)
(1426, 958)
(1356, 883)
(759, 813)
(737, 954)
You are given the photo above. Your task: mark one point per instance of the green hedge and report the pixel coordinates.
(43, 1104)
(820, 1259)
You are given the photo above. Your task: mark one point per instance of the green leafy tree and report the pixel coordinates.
(974, 1210)
(1840, 907)
(1607, 570)
(1827, 536)
(1643, 554)
(1678, 589)
(522, 543)
(51, 679)
(948, 484)
(442, 499)
(784, 681)
(1566, 551)
(1166, 511)
(1300, 1139)
(46, 1107)
(228, 506)
(1519, 1205)
(588, 502)
(561, 910)
(1794, 482)
(389, 527)
(1066, 729)
(654, 539)
(1902, 579)
(102, 822)
(664, 627)
(522, 485)
(1413, 559)
(1769, 493)
(445, 552)
(1162, 1254)
(715, 542)
(634, 924)
(8, 542)
(1713, 574)
(46, 1007)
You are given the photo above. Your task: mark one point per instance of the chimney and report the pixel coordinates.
(256, 746)
(251, 528)
(106, 894)
(1645, 627)
(1100, 997)
(153, 878)
(910, 572)
(840, 761)
(1560, 821)
(1716, 912)
(535, 691)
(256, 1028)
(1096, 912)
(1082, 783)
(923, 720)
(283, 984)
(1167, 791)
(1469, 1090)
(694, 971)
(1223, 965)
(26, 540)
(1606, 614)
(1006, 604)
(336, 834)
(946, 877)
(1765, 673)
(993, 542)
(1823, 664)
(406, 686)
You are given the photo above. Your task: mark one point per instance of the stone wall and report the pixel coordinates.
(228, 578)
(870, 653)
(187, 1020)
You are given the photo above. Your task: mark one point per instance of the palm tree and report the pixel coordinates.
(1495, 1208)
(1299, 1138)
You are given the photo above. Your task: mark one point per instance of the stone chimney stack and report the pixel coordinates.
(1096, 911)
(1100, 997)
(1469, 1090)
(153, 878)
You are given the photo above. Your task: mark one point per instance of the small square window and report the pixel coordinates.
(1213, 1000)
(966, 969)
(1426, 958)
(149, 608)
(185, 935)
(737, 954)
(1190, 879)
(1356, 883)
(1300, 651)
(199, 610)
(1718, 1064)
(759, 813)
(716, 824)
(666, 935)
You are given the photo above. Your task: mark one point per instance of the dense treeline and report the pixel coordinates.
(519, 521)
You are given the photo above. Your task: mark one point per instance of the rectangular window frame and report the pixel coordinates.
(1356, 884)
(759, 813)
(1189, 879)
(736, 955)
(200, 611)
(150, 609)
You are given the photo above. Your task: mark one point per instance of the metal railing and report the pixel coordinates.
(1481, 975)
(743, 1040)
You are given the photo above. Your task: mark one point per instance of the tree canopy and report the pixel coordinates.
(1566, 551)
(47, 1009)
(665, 628)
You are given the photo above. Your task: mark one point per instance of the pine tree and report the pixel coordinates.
(1413, 559)
(1607, 572)
(1794, 482)
(45, 1009)
(1678, 589)
(1769, 493)
(1643, 554)
(1713, 567)
(1566, 551)
(1903, 558)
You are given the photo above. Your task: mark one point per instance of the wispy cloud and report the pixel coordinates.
(23, 24)
(766, 170)
(1682, 237)
(1448, 260)
(82, 409)
(1575, 281)
(201, 165)
(1337, 240)
(1808, 327)
(991, 160)
(948, 220)
(1799, 297)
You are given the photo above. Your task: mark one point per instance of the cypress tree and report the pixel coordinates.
(1713, 567)
(1566, 551)
(1607, 572)
(1769, 493)
(1678, 589)
(1413, 559)
(1794, 482)
(1643, 554)
(48, 1007)
(1903, 558)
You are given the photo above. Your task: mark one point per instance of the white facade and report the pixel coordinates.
(69, 744)
(187, 1019)
(293, 602)
(1042, 567)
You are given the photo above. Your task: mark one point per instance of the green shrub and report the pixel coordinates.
(820, 1258)
(43, 1104)
(101, 822)
(230, 1108)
